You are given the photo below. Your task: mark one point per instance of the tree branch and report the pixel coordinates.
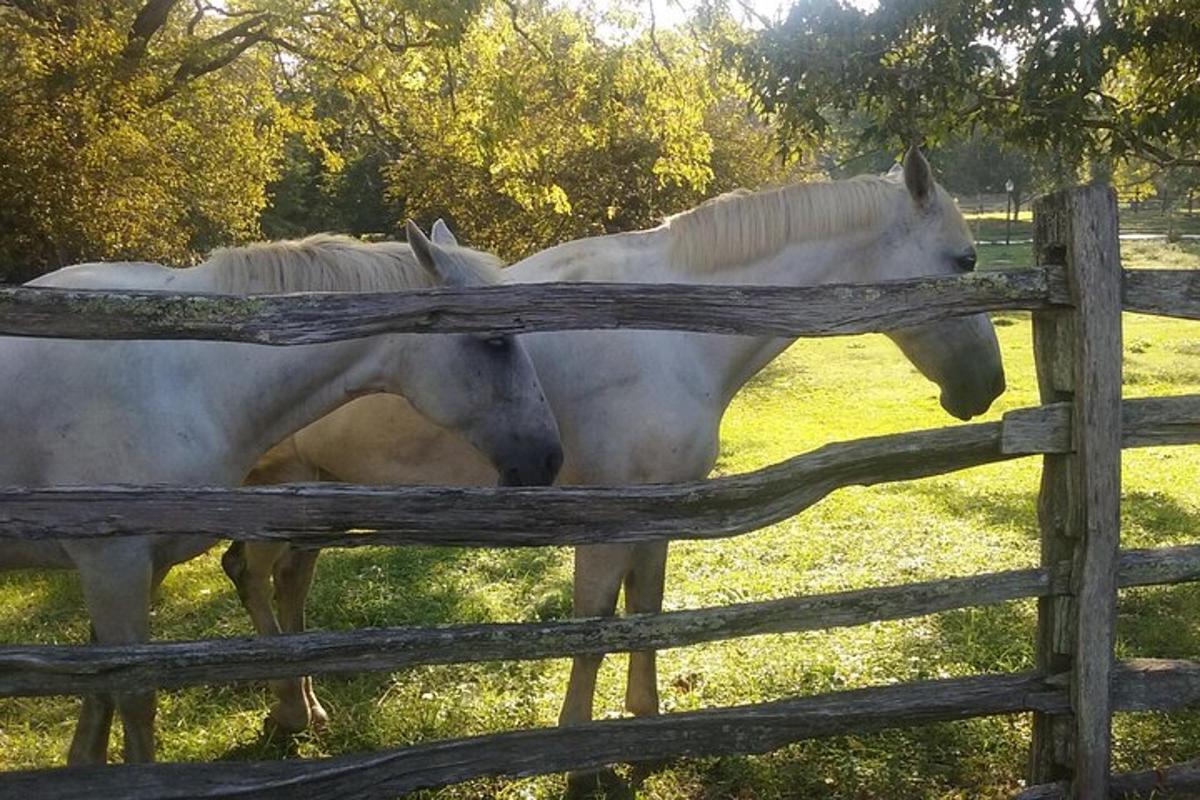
(241, 37)
(662, 56)
(148, 22)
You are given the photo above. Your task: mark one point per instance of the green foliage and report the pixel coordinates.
(558, 130)
(1114, 80)
(155, 130)
(106, 153)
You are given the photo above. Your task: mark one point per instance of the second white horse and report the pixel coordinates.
(646, 406)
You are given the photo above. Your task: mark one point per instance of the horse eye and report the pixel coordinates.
(966, 262)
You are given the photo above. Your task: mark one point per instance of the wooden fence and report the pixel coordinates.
(1076, 291)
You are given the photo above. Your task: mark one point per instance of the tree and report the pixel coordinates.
(151, 129)
(1121, 80)
(157, 129)
(545, 124)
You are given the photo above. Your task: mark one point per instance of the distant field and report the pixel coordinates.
(974, 521)
(990, 225)
(1182, 254)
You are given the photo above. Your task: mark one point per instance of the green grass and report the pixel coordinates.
(974, 521)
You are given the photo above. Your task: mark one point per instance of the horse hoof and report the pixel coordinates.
(318, 717)
(282, 725)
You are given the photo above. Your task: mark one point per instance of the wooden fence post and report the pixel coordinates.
(1078, 356)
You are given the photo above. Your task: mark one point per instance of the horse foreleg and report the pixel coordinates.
(89, 745)
(599, 570)
(644, 595)
(293, 580)
(250, 565)
(117, 580)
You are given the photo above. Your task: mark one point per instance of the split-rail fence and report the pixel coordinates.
(1076, 291)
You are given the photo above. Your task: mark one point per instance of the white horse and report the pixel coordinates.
(202, 413)
(646, 406)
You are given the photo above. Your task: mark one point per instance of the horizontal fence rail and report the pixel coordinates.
(349, 516)
(1164, 292)
(67, 669)
(1176, 781)
(828, 310)
(1138, 685)
(312, 318)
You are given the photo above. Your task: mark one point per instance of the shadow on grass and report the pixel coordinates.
(1159, 622)
(374, 587)
(43, 607)
(932, 761)
(1151, 519)
(1148, 519)
(993, 507)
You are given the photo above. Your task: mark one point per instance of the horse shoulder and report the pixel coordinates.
(631, 406)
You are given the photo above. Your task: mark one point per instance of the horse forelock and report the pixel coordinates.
(741, 226)
(332, 263)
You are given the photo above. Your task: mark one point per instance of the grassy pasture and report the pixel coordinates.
(974, 521)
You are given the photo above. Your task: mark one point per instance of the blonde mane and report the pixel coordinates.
(741, 226)
(330, 263)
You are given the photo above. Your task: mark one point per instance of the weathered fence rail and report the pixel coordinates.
(1076, 296)
(831, 310)
(349, 516)
(1176, 781)
(68, 669)
(1137, 686)
(1164, 292)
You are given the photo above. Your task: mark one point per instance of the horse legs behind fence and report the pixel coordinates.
(89, 745)
(599, 570)
(254, 566)
(293, 577)
(644, 595)
(118, 581)
(250, 566)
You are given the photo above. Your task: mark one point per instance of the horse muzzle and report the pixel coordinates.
(967, 400)
(540, 468)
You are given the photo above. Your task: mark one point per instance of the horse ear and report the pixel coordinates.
(918, 177)
(442, 266)
(895, 172)
(441, 233)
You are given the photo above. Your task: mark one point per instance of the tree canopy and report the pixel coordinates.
(157, 129)
(1111, 80)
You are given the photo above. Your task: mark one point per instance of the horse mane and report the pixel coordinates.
(331, 263)
(742, 226)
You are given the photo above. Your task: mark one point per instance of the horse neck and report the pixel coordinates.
(737, 359)
(272, 392)
(643, 257)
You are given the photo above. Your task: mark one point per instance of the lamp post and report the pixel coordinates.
(1008, 209)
